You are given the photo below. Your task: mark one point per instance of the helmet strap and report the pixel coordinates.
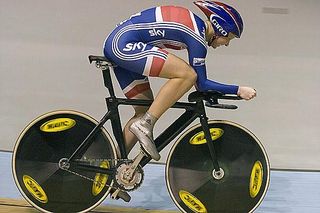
(212, 39)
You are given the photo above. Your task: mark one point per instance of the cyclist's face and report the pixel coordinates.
(221, 40)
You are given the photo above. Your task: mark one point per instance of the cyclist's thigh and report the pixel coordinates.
(148, 63)
(175, 67)
(133, 84)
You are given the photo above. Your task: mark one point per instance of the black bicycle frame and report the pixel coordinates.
(192, 111)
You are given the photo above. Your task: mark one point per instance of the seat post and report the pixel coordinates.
(107, 80)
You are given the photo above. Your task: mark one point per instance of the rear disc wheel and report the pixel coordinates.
(42, 150)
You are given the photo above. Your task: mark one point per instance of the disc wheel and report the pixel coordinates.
(190, 177)
(35, 163)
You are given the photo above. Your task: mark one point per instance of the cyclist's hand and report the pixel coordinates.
(247, 93)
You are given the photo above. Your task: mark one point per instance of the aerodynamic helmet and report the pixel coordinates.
(224, 18)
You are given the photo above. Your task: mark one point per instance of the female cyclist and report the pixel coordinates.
(137, 46)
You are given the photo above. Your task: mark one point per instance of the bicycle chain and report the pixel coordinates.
(84, 177)
(90, 179)
(101, 160)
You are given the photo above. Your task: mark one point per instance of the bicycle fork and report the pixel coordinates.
(218, 172)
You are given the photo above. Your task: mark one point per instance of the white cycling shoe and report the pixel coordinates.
(145, 137)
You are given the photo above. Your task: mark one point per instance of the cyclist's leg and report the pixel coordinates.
(134, 86)
(129, 137)
(181, 78)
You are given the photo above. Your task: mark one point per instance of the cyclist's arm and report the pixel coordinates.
(204, 84)
(197, 53)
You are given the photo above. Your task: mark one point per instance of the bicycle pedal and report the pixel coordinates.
(116, 194)
(124, 196)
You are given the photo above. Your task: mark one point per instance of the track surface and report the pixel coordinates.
(17, 206)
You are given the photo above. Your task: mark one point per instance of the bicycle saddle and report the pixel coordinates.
(100, 59)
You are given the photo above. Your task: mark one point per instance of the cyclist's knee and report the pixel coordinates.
(178, 68)
(191, 75)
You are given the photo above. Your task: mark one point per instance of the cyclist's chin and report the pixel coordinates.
(215, 46)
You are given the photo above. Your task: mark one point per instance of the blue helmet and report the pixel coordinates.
(224, 18)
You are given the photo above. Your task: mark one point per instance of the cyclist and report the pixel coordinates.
(137, 46)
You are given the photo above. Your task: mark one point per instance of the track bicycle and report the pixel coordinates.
(66, 161)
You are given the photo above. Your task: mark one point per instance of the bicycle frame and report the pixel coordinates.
(98, 167)
(192, 111)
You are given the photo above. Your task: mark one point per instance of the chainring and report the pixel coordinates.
(122, 180)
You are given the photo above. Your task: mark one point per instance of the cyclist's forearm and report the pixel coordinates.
(212, 85)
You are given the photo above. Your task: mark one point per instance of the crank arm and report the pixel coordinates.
(136, 163)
